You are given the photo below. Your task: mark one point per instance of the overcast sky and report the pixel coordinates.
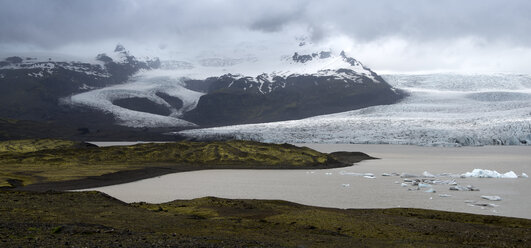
(387, 35)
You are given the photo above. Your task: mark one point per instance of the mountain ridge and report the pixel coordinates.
(150, 94)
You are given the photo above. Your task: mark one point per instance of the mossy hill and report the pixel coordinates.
(93, 219)
(26, 162)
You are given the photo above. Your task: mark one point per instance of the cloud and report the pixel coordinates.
(167, 24)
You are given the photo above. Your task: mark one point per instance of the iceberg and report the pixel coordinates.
(343, 173)
(491, 197)
(482, 173)
(430, 190)
(427, 174)
(424, 185)
(463, 188)
(524, 175)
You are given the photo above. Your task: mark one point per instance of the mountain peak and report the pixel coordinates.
(303, 58)
(119, 48)
(350, 60)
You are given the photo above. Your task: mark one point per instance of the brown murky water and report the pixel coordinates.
(339, 188)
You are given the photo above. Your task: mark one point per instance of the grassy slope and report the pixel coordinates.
(94, 219)
(28, 161)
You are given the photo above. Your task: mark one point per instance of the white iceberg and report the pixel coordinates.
(491, 197)
(343, 173)
(427, 174)
(482, 173)
(462, 188)
(524, 175)
(424, 185)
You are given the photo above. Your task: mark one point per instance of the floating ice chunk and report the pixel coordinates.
(369, 177)
(343, 173)
(404, 185)
(449, 182)
(462, 188)
(491, 197)
(386, 175)
(445, 195)
(427, 174)
(430, 190)
(328, 173)
(458, 188)
(345, 185)
(448, 175)
(472, 188)
(406, 175)
(524, 175)
(397, 182)
(424, 185)
(481, 173)
(510, 174)
(484, 204)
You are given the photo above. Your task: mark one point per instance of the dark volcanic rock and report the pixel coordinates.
(233, 100)
(143, 105)
(171, 100)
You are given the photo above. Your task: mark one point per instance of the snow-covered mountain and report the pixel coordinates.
(32, 86)
(215, 91)
(441, 110)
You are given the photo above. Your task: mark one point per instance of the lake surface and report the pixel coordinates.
(341, 188)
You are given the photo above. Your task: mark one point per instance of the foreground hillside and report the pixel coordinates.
(59, 164)
(93, 219)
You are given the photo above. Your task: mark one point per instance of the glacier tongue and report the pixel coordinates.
(145, 86)
(442, 110)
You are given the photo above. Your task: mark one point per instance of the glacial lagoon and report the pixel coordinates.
(381, 183)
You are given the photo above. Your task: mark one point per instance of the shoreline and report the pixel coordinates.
(62, 165)
(127, 176)
(346, 187)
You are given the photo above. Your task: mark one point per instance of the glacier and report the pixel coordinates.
(441, 110)
(145, 86)
(172, 75)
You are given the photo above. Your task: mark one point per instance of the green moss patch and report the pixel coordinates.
(92, 219)
(44, 161)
